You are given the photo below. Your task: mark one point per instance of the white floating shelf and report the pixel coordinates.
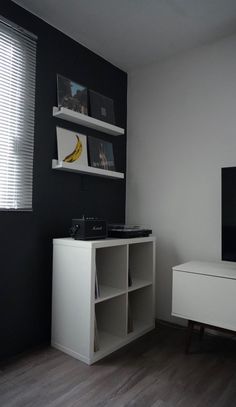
(87, 121)
(85, 169)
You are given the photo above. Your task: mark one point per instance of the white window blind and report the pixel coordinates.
(17, 102)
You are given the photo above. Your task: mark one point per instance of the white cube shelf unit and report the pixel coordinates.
(90, 328)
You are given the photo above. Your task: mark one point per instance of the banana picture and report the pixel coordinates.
(76, 153)
(72, 147)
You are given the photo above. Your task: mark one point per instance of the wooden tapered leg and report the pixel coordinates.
(202, 330)
(189, 336)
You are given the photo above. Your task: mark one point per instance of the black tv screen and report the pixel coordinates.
(229, 214)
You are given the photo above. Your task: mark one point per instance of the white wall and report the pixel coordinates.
(181, 131)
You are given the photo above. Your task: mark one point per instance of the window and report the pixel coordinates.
(17, 101)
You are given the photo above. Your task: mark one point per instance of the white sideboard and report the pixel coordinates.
(120, 314)
(205, 292)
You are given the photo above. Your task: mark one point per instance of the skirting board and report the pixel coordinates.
(208, 331)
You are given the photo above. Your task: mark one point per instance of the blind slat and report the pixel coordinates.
(17, 101)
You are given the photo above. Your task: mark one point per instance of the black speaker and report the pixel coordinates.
(88, 229)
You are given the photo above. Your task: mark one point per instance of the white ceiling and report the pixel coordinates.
(131, 33)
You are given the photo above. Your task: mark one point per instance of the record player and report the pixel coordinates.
(127, 231)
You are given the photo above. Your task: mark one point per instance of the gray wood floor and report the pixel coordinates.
(153, 372)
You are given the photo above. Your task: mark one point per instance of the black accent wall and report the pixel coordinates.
(26, 237)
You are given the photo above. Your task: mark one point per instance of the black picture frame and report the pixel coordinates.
(101, 107)
(72, 95)
(100, 153)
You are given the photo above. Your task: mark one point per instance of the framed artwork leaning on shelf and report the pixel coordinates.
(101, 154)
(101, 107)
(72, 95)
(72, 147)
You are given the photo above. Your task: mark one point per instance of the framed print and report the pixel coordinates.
(72, 95)
(101, 154)
(72, 147)
(101, 107)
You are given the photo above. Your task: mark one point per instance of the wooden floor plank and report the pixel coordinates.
(152, 372)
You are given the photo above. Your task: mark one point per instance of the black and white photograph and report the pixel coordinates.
(101, 107)
(101, 154)
(72, 95)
